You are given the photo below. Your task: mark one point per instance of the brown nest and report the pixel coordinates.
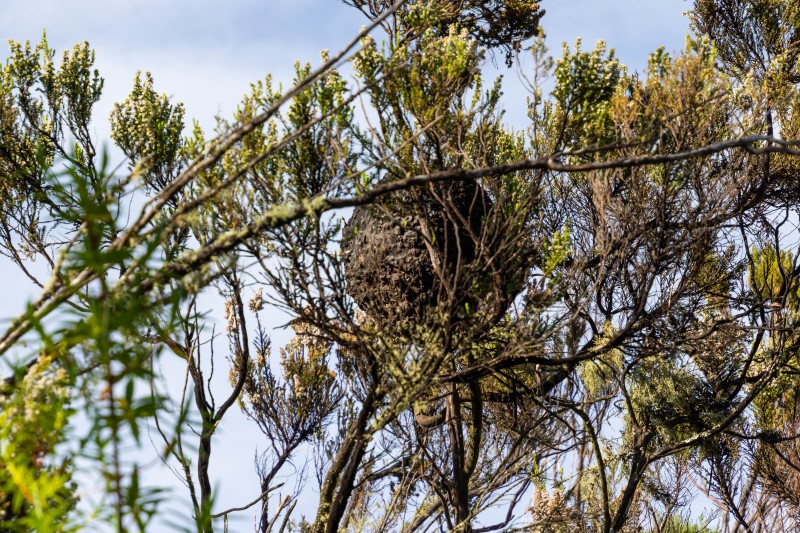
(398, 256)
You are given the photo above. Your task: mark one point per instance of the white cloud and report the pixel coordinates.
(201, 52)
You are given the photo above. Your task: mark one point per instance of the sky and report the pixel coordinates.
(205, 53)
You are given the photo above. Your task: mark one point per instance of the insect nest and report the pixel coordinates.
(402, 257)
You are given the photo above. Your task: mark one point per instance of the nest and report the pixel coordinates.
(392, 252)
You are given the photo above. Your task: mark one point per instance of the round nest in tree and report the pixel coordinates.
(392, 252)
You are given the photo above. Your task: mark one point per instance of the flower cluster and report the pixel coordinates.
(33, 417)
(256, 303)
(231, 322)
(551, 512)
(40, 387)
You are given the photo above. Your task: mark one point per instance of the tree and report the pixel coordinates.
(596, 314)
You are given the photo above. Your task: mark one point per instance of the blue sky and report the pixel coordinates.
(205, 53)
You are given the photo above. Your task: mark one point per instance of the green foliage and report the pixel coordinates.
(599, 375)
(45, 110)
(671, 398)
(555, 252)
(754, 36)
(55, 101)
(301, 397)
(677, 524)
(584, 85)
(148, 130)
(95, 360)
(771, 278)
(36, 489)
(425, 78)
(495, 24)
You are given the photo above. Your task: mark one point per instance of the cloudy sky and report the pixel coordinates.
(205, 53)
